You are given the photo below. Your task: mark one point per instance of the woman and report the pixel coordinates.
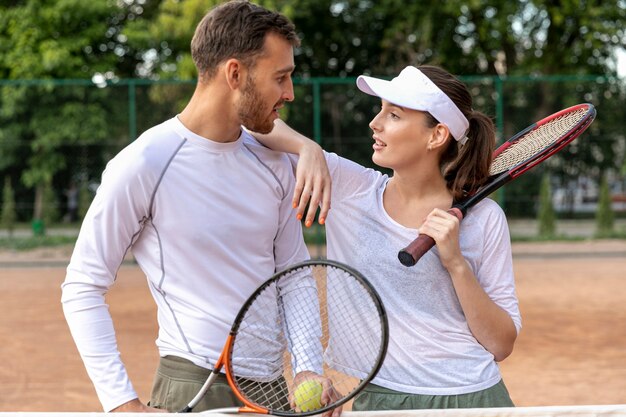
(455, 314)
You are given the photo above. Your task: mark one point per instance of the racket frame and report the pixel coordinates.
(224, 360)
(411, 254)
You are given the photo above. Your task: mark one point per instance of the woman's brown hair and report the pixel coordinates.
(465, 167)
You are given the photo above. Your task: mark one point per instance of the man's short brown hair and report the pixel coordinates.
(236, 29)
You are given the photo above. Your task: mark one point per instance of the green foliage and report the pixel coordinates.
(346, 38)
(495, 37)
(84, 200)
(515, 195)
(56, 39)
(604, 214)
(49, 133)
(41, 125)
(31, 242)
(9, 215)
(314, 235)
(166, 33)
(50, 214)
(546, 216)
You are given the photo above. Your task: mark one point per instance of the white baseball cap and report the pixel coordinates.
(414, 90)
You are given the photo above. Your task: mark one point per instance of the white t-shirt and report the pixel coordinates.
(207, 223)
(431, 349)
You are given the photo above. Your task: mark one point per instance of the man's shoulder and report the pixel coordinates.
(153, 148)
(163, 135)
(264, 153)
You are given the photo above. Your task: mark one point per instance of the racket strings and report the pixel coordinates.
(272, 395)
(534, 142)
(318, 321)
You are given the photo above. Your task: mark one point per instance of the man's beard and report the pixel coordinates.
(251, 110)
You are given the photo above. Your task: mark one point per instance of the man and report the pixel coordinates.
(205, 208)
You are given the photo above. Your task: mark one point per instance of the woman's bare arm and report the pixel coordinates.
(313, 184)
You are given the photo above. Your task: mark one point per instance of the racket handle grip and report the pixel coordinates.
(416, 249)
(422, 244)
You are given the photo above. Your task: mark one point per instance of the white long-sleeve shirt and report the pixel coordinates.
(431, 348)
(207, 223)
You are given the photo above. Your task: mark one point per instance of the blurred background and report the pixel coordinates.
(79, 80)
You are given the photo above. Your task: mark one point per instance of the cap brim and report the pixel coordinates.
(363, 83)
(387, 91)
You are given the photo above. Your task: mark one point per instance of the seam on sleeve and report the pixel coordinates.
(269, 169)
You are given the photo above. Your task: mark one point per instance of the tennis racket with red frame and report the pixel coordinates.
(513, 158)
(318, 320)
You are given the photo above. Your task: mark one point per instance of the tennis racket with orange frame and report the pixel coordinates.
(319, 319)
(513, 158)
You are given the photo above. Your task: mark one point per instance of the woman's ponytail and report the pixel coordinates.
(465, 167)
(469, 169)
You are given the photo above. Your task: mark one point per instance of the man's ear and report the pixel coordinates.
(234, 73)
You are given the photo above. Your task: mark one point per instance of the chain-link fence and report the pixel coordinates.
(57, 135)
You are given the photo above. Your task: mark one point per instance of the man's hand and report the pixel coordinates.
(329, 393)
(136, 406)
(313, 184)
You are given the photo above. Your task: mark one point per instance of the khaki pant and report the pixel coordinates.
(374, 397)
(177, 381)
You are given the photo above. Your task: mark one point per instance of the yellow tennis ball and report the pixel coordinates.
(308, 396)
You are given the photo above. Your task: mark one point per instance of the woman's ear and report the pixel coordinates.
(440, 137)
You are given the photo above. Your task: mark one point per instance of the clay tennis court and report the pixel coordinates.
(572, 349)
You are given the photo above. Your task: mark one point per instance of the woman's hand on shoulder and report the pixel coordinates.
(313, 184)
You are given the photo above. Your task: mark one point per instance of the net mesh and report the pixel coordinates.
(527, 146)
(313, 321)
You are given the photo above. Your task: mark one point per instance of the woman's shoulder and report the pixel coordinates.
(487, 208)
(350, 178)
(352, 168)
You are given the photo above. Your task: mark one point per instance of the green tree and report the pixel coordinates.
(546, 217)
(348, 37)
(50, 214)
(43, 125)
(492, 37)
(9, 216)
(604, 214)
(104, 40)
